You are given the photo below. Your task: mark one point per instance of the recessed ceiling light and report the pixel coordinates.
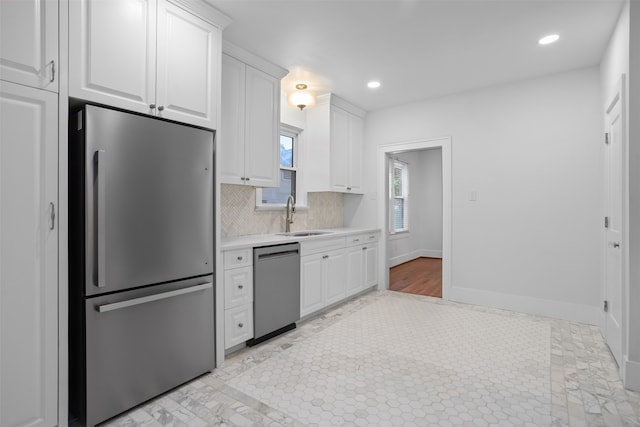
(551, 38)
(373, 85)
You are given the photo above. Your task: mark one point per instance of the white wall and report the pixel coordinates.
(532, 151)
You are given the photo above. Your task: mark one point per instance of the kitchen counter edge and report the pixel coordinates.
(257, 240)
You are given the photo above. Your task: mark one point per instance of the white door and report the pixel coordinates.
(355, 158)
(28, 256)
(112, 52)
(333, 272)
(231, 136)
(355, 269)
(262, 129)
(339, 148)
(311, 291)
(29, 43)
(613, 208)
(371, 266)
(187, 72)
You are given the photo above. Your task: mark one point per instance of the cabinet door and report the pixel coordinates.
(112, 52)
(371, 266)
(355, 147)
(28, 256)
(339, 148)
(334, 273)
(355, 269)
(231, 136)
(188, 67)
(29, 42)
(311, 284)
(262, 128)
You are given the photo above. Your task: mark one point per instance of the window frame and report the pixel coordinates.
(301, 196)
(395, 163)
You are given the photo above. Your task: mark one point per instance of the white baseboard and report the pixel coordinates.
(536, 306)
(404, 258)
(631, 375)
(410, 256)
(431, 253)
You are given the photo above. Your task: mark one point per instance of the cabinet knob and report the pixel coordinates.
(349, 188)
(239, 258)
(152, 106)
(160, 108)
(356, 240)
(240, 325)
(364, 248)
(325, 257)
(247, 179)
(240, 286)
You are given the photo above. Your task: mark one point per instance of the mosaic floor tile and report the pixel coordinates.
(391, 359)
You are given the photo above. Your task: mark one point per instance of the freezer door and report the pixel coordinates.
(145, 342)
(149, 200)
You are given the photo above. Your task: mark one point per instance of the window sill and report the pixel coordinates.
(399, 235)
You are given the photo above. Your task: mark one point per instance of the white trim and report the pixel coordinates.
(431, 253)
(530, 305)
(253, 60)
(383, 223)
(631, 374)
(205, 11)
(401, 259)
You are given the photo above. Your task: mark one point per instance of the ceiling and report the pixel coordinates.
(418, 49)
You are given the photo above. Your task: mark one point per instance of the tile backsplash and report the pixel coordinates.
(239, 216)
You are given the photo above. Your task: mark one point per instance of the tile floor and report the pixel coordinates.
(403, 360)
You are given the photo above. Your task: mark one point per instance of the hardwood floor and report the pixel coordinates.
(422, 276)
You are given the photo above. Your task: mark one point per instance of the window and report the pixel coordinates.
(398, 196)
(272, 197)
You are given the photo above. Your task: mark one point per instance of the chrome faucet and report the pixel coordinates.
(291, 208)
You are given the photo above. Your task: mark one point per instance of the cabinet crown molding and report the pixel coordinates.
(204, 10)
(253, 60)
(335, 100)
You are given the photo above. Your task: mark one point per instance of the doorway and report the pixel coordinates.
(421, 276)
(389, 259)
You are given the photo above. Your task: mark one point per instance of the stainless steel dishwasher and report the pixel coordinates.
(276, 290)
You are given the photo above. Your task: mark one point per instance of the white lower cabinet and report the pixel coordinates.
(28, 256)
(238, 297)
(323, 280)
(335, 269)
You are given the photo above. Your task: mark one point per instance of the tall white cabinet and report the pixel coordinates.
(250, 119)
(157, 57)
(29, 43)
(334, 148)
(28, 256)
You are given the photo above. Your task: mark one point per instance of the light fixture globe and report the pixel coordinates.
(301, 98)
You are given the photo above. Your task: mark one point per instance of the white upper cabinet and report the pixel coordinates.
(250, 119)
(188, 67)
(149, 56)
(334, 147)
(28, 256)
(29, 43)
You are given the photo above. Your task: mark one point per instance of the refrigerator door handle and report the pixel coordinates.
(143, 300)
(101, 165)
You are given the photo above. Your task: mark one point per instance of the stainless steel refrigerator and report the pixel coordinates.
(141, 251)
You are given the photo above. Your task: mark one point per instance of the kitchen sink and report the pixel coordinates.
(303, 233)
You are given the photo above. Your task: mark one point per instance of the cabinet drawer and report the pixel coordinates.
(238, 287)
(238, 258)
(360, 239)
(322, 245)
(238, 325)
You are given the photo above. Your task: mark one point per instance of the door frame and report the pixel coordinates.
(383, 224)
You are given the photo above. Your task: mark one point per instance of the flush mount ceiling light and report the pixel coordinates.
(551, 38)
(373, 84)
(301, 98)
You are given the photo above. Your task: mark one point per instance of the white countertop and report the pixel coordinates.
(255, 240)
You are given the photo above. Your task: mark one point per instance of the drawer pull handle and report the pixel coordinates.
(240, 286)
(239, 258)
(150, 298)
(240, 325)
(356, 240)
(325, 257)
(364, 248)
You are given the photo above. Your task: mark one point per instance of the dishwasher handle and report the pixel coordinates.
(277, 254)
